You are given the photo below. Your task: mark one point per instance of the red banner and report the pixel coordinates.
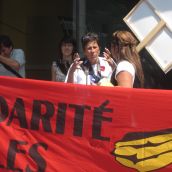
(51, 127)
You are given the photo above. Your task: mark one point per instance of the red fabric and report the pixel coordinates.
(78, 148)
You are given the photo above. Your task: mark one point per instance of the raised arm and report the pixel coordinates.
(75, 65)
(125, 79)
(109, 59)
(10, 62)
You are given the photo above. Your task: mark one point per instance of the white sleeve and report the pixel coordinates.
(125, 66)
(74, 75)
(66, 78)
(19, 56)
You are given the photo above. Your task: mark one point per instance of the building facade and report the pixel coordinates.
(37, 26)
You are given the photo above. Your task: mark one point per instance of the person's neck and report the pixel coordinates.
(94, 62)
(67, 59)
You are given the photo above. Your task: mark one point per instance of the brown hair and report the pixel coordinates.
(125, 45)
(89, 37)
(66, 39)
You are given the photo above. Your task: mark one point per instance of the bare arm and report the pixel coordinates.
(125, 79)
(109, 59)
(75, 65)
(53, 73)
(10, 62)
(70, 76)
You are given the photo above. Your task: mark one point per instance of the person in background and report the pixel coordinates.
(128, 72)
(65, 57)
(12, 61)
(92, 69)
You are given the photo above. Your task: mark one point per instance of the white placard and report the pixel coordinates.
(143, 20)
(164, 10)
(142, 15)
(157, 47)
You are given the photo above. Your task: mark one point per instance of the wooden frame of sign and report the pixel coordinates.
(151, 23)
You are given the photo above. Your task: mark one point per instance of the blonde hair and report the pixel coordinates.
(125, 45)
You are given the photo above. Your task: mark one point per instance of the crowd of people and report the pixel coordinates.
(118, 66)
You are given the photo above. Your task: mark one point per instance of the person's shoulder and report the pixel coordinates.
(125, 63)
(54, 64)
(16, 52)
(18, 55)
(19, 50)
(125, 66)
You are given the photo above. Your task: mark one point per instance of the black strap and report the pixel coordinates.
(63, 67)
(11, 70)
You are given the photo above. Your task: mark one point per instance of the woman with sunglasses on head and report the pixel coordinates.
(128, 72)
(92, 69)
(65, 57)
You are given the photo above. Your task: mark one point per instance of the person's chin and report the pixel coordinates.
(92, 57)
(93, 60)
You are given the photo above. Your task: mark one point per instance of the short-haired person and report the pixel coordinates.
(11, 58)
(128, 72)
(65, 56)
(92, 69)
